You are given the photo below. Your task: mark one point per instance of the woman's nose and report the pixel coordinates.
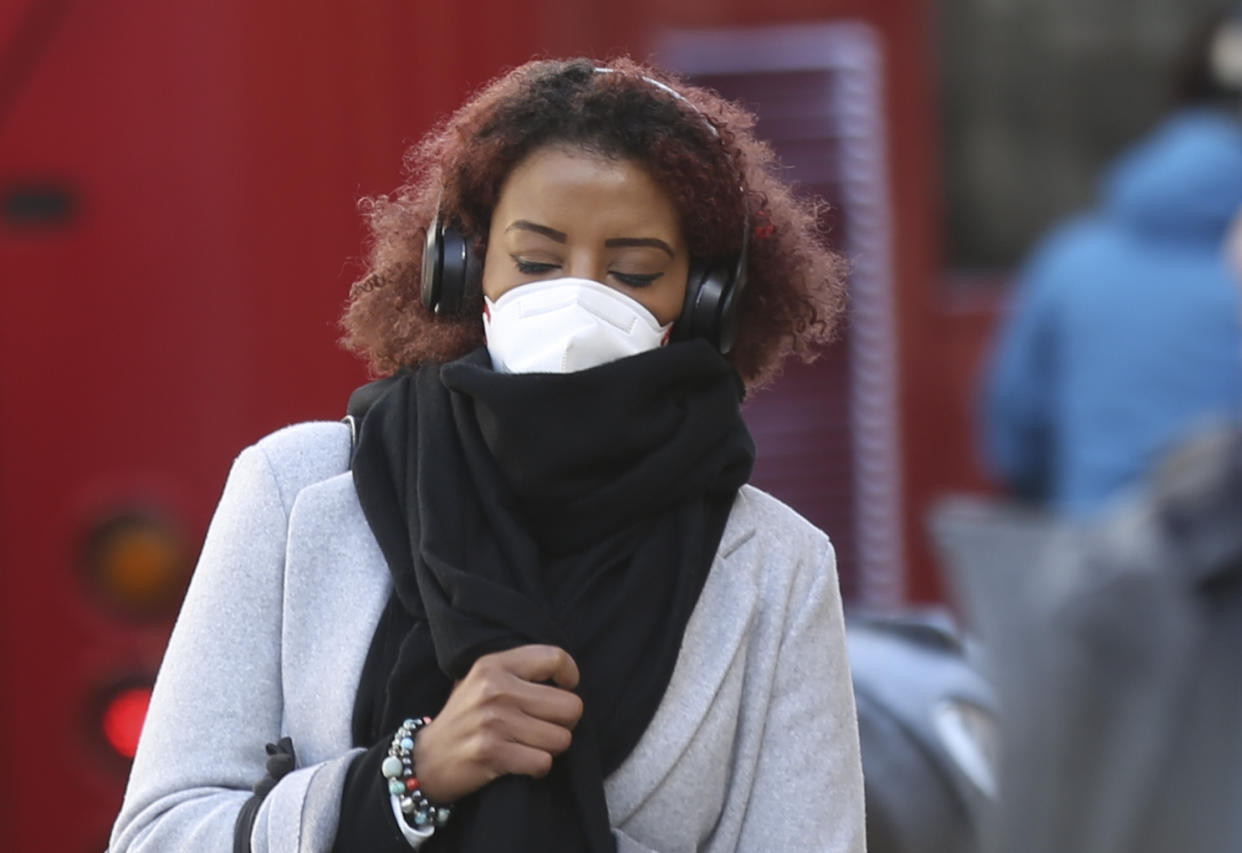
(588, 265)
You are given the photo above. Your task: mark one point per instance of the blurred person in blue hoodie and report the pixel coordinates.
(1124, 333)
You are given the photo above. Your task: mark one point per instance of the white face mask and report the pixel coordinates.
(565, 325)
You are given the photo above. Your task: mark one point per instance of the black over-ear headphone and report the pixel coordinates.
(713, 293)
(449, 269)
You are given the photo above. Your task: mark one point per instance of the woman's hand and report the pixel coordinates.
(501, 718)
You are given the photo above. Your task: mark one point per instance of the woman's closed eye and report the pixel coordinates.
(629, 279)
(526, 267)
(635, 279)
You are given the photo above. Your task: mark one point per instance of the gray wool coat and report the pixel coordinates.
(754, 746)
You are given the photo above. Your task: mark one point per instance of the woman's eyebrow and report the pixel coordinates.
(550, 233)
(614, 243)
(654, 242)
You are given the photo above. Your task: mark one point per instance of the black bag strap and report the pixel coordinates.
(280, 761)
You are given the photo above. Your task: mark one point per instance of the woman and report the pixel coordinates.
(533, 605)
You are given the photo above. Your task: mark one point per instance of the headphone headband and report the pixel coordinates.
(667, 89)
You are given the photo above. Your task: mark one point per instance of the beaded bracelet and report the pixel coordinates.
(407, 797)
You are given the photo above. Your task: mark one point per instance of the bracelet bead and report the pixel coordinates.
(403, 786)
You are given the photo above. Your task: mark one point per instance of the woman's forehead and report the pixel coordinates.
(572, 187)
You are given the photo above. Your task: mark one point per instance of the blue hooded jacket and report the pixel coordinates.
(1124, 333)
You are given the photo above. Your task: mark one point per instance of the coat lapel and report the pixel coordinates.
(712, 646)
(336, 585)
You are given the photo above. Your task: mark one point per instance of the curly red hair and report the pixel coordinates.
(699, 147)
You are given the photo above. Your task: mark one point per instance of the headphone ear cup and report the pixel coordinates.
(699, 314)
(472, 281)
(433, 266)
(730, 313)
(711, 308)
(449, 270)
(454, 272)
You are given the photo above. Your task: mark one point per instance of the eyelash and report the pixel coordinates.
(533, 267)
(629, 279)
(632, 280)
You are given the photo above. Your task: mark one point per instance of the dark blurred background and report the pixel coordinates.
(1037, 95)
(178, 231)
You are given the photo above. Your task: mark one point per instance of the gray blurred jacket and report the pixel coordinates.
(1122, 689)
(754, 746)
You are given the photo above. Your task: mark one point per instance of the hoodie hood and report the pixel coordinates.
(1185, 178)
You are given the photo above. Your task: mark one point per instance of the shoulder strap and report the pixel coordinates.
(360, 403)
(351, 422)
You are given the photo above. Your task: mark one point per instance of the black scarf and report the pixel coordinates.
(580, 510)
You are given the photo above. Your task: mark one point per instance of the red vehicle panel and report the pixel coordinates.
(178, 231)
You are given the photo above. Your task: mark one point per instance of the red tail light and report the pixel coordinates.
(122, 719)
